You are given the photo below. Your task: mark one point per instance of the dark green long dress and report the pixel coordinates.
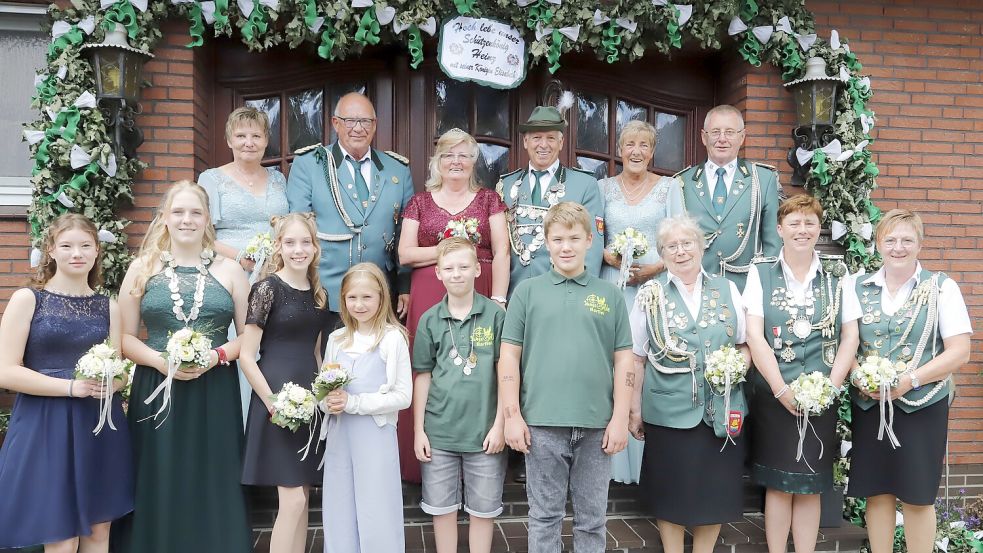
(188, 496)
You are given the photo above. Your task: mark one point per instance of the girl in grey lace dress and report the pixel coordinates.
(639, 199)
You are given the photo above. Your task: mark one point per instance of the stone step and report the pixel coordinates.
(626, 534)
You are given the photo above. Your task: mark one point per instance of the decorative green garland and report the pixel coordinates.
(773, 31)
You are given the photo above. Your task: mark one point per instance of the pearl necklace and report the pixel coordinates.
(637, 191)
(174, 284)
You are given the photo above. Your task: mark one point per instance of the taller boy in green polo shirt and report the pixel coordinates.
(457, 423)
(566, 346)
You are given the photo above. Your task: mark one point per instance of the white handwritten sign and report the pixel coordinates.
(482, 50)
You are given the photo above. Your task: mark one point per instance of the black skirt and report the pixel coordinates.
(774, 439)
(913, 471)
(687, 480)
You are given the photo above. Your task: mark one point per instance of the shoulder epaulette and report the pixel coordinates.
(398, 157)
(766, 166)
(764, 259)
(510, 173)
(306, 149)
(683, 171)
(584, 171)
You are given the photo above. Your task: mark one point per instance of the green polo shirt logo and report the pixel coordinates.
(482, 336)
(597, 304)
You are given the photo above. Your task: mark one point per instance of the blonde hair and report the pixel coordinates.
(445, 143)
(47, 266)
(454, 244)
(800, 203)
(279, 223)
(158, 239)
(244, 116)
(680, 223)
(568, 214)
(723, 109)
(383, 320)
(635, 127)
(897, 217)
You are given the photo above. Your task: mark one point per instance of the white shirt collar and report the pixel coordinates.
(551, 169)
(679, 281)
(879, 279)
(344, 153)
(710, 168)
(810, 275)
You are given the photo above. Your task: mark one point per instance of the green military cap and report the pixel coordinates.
(544, 118)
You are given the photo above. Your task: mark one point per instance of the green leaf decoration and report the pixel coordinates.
(415, 46)
(197, 25)
(368, 28)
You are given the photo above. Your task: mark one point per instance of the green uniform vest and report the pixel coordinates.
(911, 334)
(675, 393)
(816, 351)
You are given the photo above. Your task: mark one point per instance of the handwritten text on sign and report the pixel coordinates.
(482, 50)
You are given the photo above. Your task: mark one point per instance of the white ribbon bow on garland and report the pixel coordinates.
(573, 33)
(208, 11)
(866, 122)
(80, 158)
(246, 7)
(838, 230)
(58, 28)
(623, 22)
(832, 150)
(736, 26)
(429, 26)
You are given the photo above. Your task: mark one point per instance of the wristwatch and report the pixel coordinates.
(499, 299)
(915, 384)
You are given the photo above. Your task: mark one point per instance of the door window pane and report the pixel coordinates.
(305, 118)
(592, 122)
(628, 111)
(492, 107)
(597, 166)
(270, 106)
(493, 161)
(671, 146)
(452, 105)
(21, 55)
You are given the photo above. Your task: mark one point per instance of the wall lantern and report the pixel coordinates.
(118, 69)
(815, 110)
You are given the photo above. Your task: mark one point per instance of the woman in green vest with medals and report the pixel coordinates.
(918, 318)
(693, 458)
(796, 324)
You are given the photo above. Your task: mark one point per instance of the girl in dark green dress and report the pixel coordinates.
(188, 440)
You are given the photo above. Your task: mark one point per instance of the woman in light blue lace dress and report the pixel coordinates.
(243, 195)
(640, 199)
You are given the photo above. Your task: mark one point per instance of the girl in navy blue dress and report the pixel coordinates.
(62, 484)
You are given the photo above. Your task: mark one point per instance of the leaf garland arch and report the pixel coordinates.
(75, 170)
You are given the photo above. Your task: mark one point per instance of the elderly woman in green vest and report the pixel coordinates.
(693, 458)
(796, 324)
(919, 318)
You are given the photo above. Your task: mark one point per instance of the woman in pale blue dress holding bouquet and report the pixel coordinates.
(640, 199)
(243, 195)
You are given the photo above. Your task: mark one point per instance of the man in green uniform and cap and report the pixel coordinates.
(530, 191)
(734, 200)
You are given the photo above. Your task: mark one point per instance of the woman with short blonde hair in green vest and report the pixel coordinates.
(693, 459)
(919, 318)
(796, 324)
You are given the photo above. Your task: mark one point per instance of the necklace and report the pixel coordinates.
(174, 284)
(472, 360)
(243, 177)
(637, 191)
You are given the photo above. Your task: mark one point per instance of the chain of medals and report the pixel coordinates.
(556, 191)
(174, 285)
(802, 314)
(469, 362)
(926, 295)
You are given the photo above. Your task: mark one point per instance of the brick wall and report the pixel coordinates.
(926, 75)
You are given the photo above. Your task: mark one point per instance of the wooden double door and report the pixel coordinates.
(299, 92)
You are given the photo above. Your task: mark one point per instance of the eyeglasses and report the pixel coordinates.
(728, 134)
(675, 247)
(451, 156)
(905, 243)
(350, 122)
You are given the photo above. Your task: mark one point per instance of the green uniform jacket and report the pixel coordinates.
(675, 393)
(371, 234)
(902, 336)
(529, 254)
(748, 227)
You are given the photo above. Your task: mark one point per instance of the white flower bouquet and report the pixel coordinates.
(812, 394)
(186, 350)
(630, 244)
(464, 227)
(878, 374)
(331, 377)
(103, 363)
(725, 368)
(293, 406)
(259, 248)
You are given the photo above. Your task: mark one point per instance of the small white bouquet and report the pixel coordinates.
(259, 249)
(464, 227)
(331, 377)
(293, 406)
(725, 368)
(103, 363)
(187, 349)
(812, 394)
(630, 244)
(879, 374)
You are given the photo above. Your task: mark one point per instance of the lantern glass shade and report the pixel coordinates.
(118, 73)
(815, 102)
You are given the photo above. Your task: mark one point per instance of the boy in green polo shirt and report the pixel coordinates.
(567, 334)
(455, 402)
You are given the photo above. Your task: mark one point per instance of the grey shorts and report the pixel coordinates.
(484, 477)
